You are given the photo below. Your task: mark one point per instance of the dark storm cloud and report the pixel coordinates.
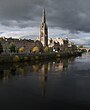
(71, 14)
(67, 14)
(20, 11)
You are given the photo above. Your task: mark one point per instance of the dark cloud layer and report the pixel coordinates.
(67, 14)
(72, 14)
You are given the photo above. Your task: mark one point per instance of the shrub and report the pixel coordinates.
(12, 47)
(22, 49)
(25, 58)
(16, 58)
(1, 48)
(35, 49)
(58, 55)
(46, 49)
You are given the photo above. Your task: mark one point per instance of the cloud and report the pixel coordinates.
(71, 14)
(20, 11)
(64, 18)
(68, 14)
(28, 33)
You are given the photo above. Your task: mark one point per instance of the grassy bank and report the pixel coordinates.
(35, 56)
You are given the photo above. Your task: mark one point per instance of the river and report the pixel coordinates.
(60, 84)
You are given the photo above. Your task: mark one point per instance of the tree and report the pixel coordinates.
(35, 49)
(1, 48)
(39, 45)
(80, 46)
(22, 49)
(46, 49)
(16, 58)
(12, 47)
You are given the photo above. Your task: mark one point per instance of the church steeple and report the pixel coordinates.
(44, 30)
(44, 16)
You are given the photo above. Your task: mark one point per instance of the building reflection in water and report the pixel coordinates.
(44, 72)
(21, 69)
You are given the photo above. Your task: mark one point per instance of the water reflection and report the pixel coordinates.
(42, 69)
(44, 72)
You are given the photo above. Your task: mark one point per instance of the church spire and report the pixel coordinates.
(44, 16)
(44, 30)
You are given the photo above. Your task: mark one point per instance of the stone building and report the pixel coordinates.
(58, 44)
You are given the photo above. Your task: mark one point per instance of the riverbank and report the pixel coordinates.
(36, 56)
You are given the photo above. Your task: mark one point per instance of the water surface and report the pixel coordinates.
(60, 84)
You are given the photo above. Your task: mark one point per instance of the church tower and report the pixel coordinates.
(44, 30)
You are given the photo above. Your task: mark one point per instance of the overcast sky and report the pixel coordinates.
(65, 18)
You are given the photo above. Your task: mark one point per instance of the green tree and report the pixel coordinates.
(16, 58)
(39, 45)
(46, 49)
(36, 49)
(80, 46)
(12, 48)
(22, 49)
(1, 48)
